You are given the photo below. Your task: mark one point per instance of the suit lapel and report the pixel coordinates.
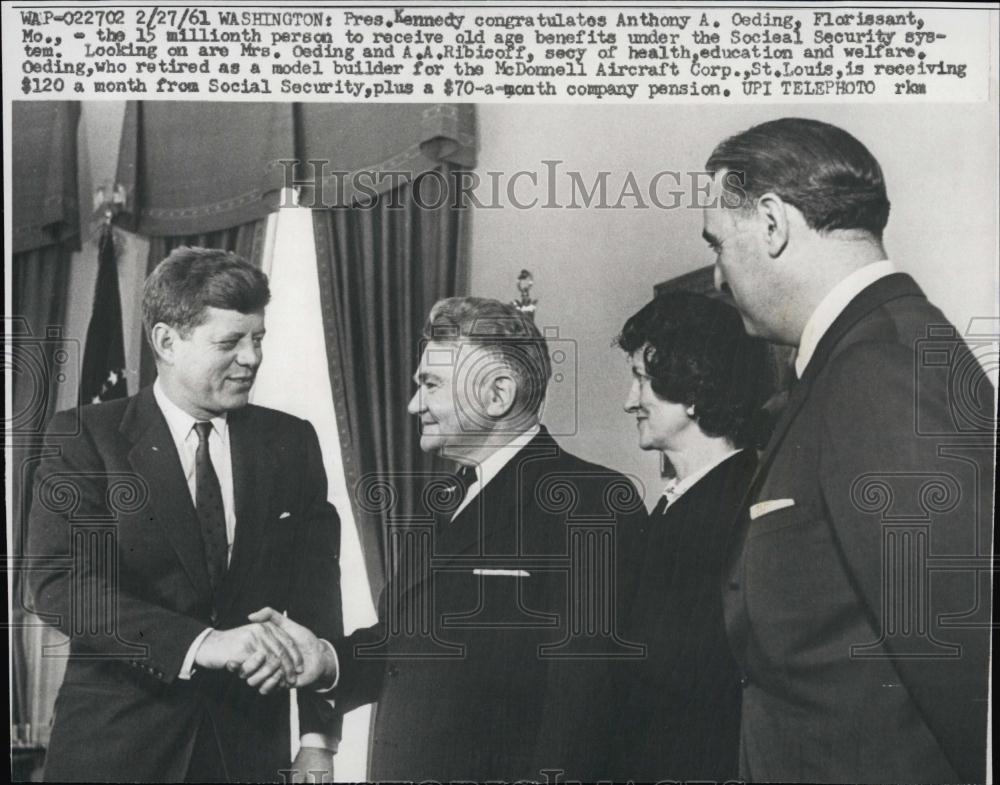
(472, 529)
(494, 506)
(253, 479)
(492, 510)
(463, 536)
(154, 457)
(874, 296)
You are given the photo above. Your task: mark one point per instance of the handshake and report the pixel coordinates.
(271, 652)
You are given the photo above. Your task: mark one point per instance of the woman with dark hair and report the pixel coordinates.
(698, 382)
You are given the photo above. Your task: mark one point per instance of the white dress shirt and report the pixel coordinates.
(831, 306)
(485, 471)
(493, 463)
(181, 425)
(675, 488)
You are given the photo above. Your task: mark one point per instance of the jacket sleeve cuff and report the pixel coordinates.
(187, 667)
(336, 661)
(320, 741)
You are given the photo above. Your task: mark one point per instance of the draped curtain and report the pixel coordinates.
(193, 168)
(382, 265)
(45, 219)
(380, 270)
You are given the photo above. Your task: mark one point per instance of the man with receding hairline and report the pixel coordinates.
(859, 662)
(495, 687)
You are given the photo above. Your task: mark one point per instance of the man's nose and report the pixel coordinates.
(416, 405)
(249, 355)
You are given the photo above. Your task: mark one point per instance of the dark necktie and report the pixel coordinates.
(465, 476)
(211, 513)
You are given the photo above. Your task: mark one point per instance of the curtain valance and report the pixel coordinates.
(191, 168)
(45, 208)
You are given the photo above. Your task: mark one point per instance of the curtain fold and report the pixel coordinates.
(192, 168)
(39, 353)
(46, 230)
(46, 208)
(347, 154)
(381, 268)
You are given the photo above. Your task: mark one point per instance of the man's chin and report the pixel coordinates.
(236, 400)
(749, 325)
(429, 443)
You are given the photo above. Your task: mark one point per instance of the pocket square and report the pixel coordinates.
(284, 515)
(512, 573)
(763, 508)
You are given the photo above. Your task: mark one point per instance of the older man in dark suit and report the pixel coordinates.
(858, 599)
(489, 660)
(159, 527)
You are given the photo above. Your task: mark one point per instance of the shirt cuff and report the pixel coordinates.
(320, 741)
(187, 667)
(336, 662)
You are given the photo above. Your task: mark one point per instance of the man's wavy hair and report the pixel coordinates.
(820, 169)
(697, 354)
(511, 336)
(191, 280)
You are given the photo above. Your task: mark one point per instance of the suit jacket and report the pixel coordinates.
(678, 709)
(857, 608)
(120, 568)
(466, 688)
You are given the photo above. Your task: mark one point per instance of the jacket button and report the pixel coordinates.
(744, 681)
(214, 618)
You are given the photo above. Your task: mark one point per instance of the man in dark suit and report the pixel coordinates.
(698, 382)
(160, 526)
(488, 661)
(858, 599)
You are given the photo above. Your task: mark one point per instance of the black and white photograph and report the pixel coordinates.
(471, 392)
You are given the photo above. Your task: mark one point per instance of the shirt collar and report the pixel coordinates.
(831, 306)
(492, 464)
(675, 488)
(179, 421)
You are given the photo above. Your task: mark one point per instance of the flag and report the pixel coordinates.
(103, 375)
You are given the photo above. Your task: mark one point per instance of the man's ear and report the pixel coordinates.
(501, 393)
(773, 214)
(163, 339)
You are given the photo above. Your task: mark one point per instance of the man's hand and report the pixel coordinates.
(317, 662)
(312, 765)
(265, 656)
